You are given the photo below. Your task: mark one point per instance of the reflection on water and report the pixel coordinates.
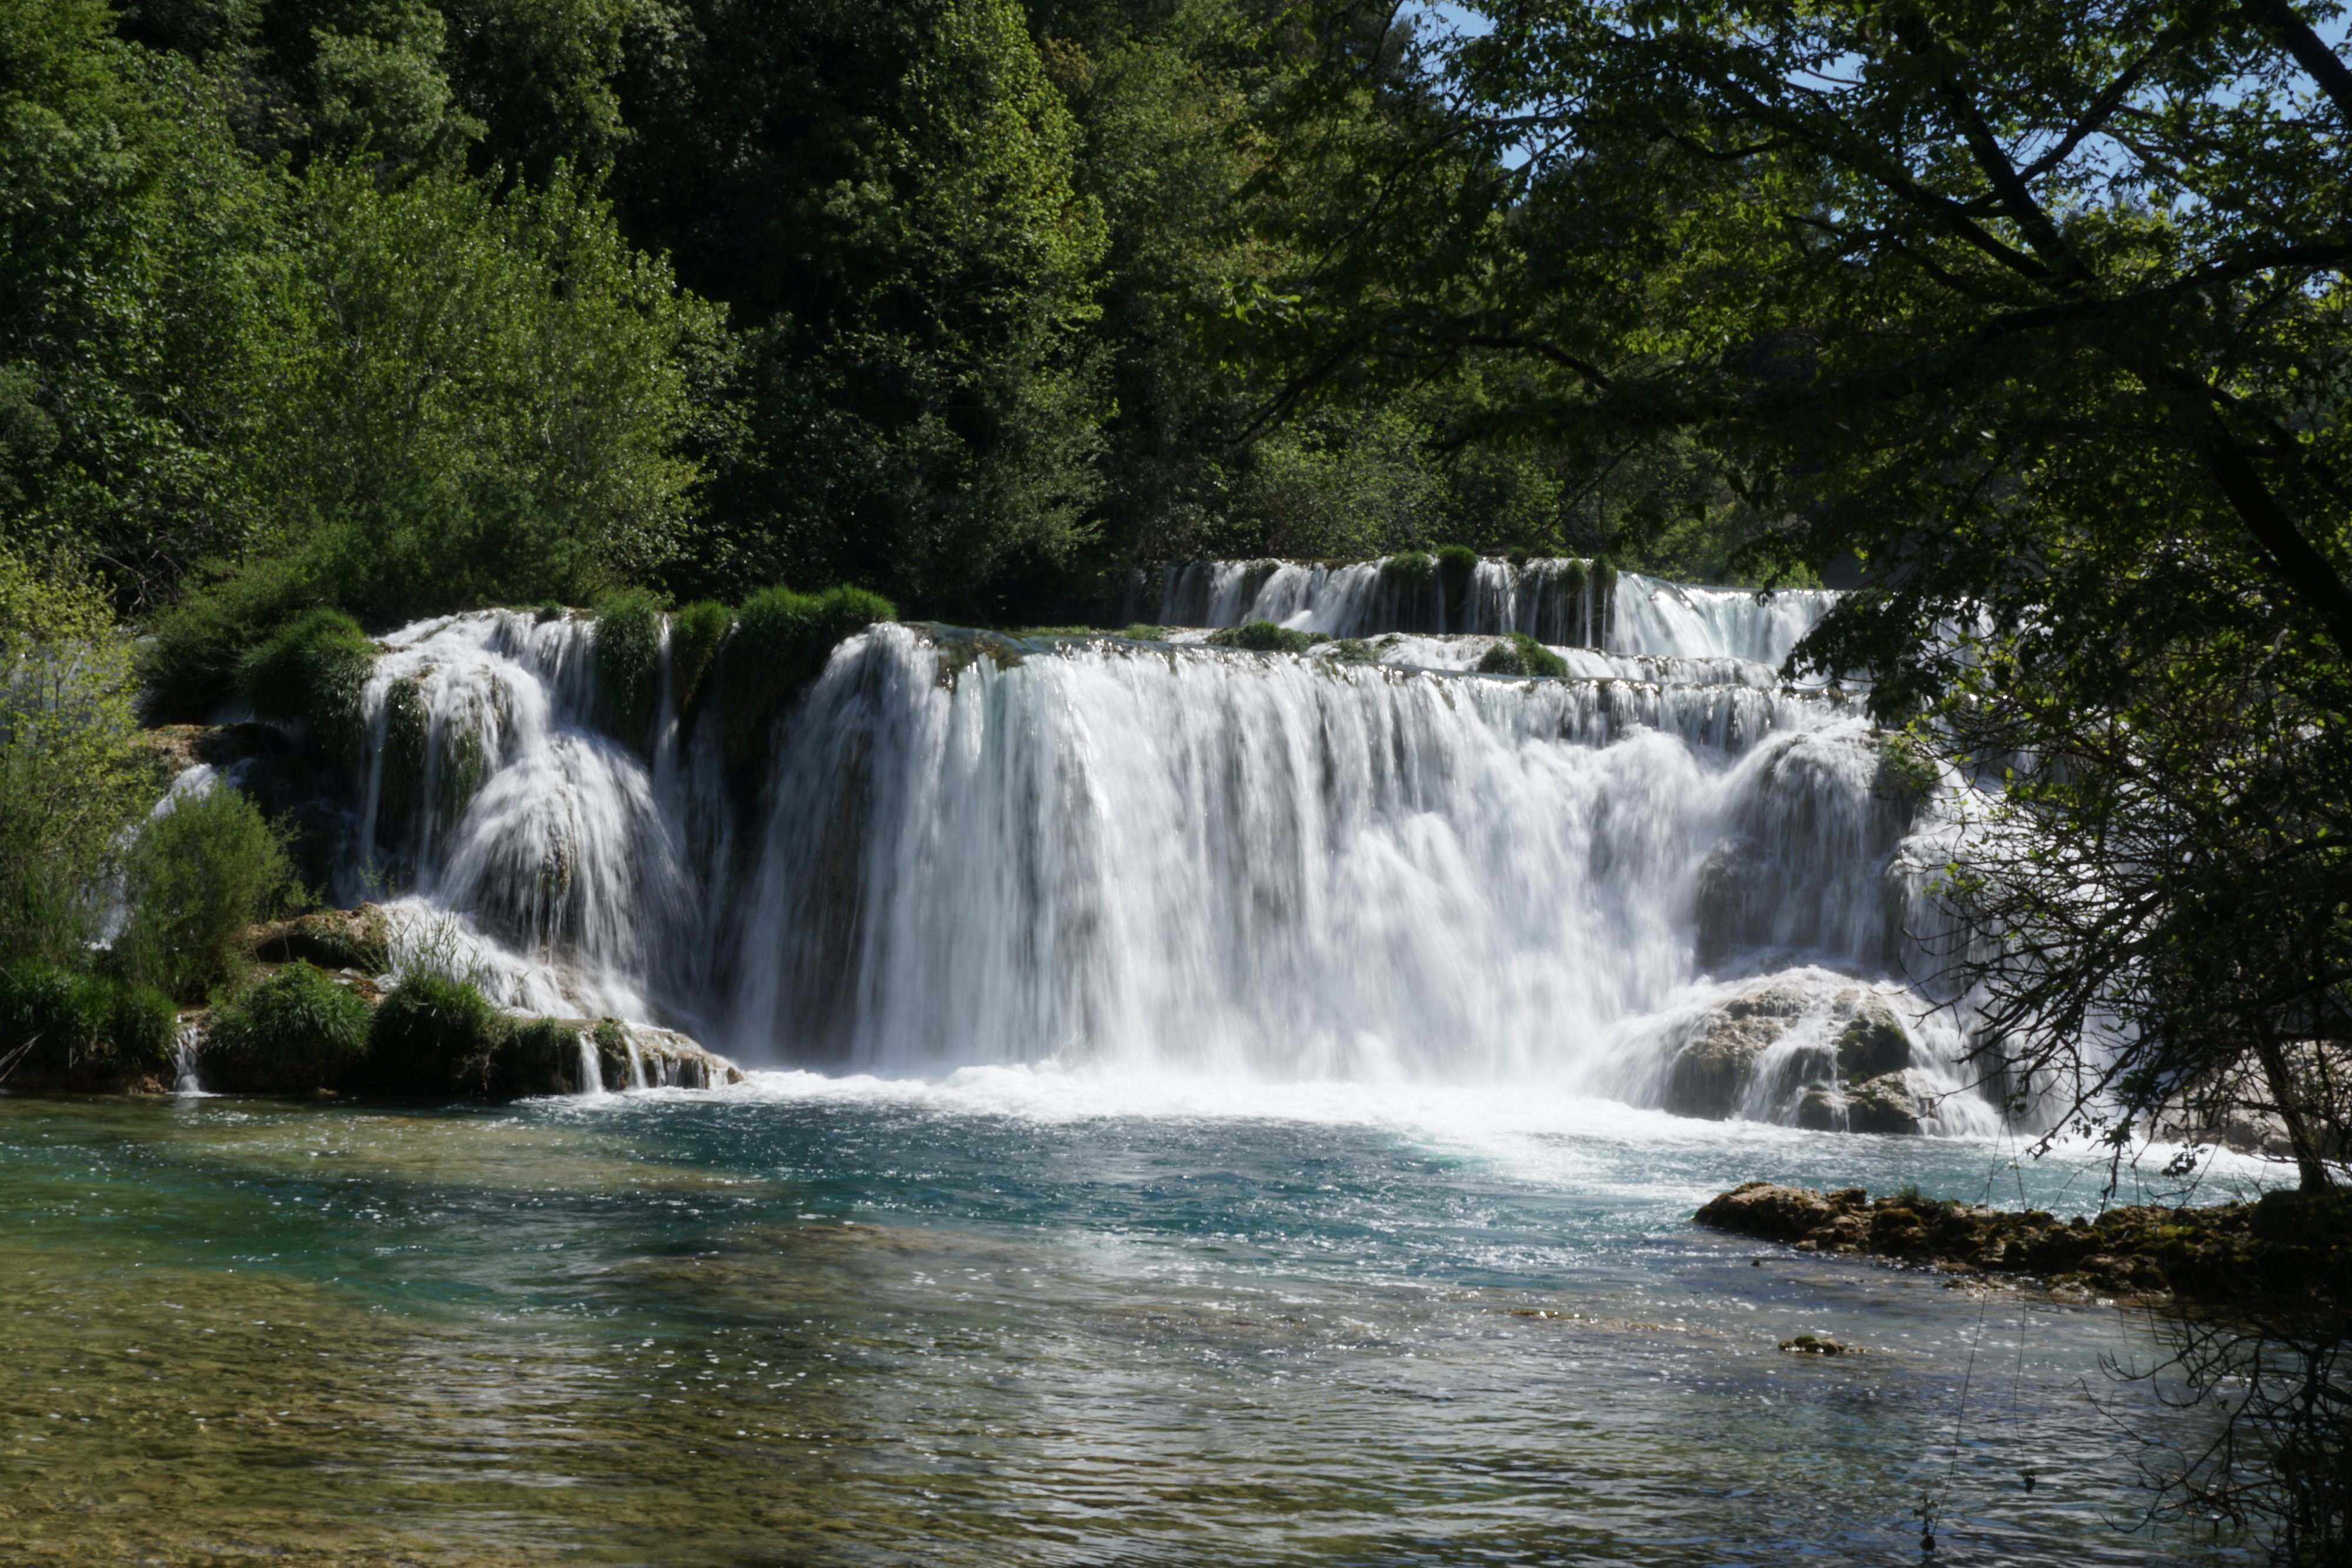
(1005, 1323)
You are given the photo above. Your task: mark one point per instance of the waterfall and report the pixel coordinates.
(1127, 856)
(1561, 601)
(591, 1072)
(187, 1043)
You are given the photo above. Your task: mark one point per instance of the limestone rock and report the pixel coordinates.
(358, 939)
(1710, 1073)
(1776, 1213)
(1887, 1103)
(1873, 1043)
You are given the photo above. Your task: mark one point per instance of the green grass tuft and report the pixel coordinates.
(433, 1035)
(628, 664)
(1261, 637)
(1520, 655)
(314, 670)
(296, 1031)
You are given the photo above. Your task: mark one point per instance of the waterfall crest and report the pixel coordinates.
(1562, 602)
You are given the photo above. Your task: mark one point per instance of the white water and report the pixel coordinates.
(1120, 859)
(1554, 600)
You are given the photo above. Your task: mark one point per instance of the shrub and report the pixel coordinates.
(1520, 655)
(296, 1030)
(781, 642)
(433, 1035)
(201, 873)
(314, 670)
(73, 772)
(1261, 637)
(696, 636)
(628, 664)
(1410, 568)
(73, 1030)
(1353, 651)
(191, 664)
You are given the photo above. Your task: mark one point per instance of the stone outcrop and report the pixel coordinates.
(357, 939)
(2289, 1248)
(1710, 1074)
(1852, 1078)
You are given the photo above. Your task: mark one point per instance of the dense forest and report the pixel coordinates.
(403, 308)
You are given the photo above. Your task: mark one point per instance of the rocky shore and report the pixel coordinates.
(2291, 1250)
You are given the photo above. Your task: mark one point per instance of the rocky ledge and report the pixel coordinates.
(2290, 1250)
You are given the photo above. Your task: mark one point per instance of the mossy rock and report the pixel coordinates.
(1883, 1104)
(1520, 655)
(315, 671)
(696, 633)
(781, 641)
(1352, 651)
(1872, 1045)
(357, 939)
(627, 650)
(295, 1032)
(1261, 637)
(402, 759)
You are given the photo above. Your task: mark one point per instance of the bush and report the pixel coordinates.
(1410, 568)
(1261, 637)
(781, 642)
(201, 873)
(1353, 651)
(190, 665)
(314, 670)
(628, 664)
(434, 1035)
(72, 1030)
(1520, 655)
(296, 1030)
(696, 636)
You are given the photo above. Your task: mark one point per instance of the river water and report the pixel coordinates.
(1019, 1316)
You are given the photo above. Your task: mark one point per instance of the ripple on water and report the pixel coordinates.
(833, 1324)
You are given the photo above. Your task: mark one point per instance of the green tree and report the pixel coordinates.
(138, 270)
(73, 773)
(883, 195)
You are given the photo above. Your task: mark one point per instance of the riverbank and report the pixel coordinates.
(2289, 1250)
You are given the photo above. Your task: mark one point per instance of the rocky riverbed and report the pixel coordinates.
(2289, 1250)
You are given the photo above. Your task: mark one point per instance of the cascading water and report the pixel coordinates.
(1131, 856)
(1562, 602)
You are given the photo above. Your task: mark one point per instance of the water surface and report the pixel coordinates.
(1015, 1318)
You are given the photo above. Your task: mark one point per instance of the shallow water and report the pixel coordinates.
(1015, 1318)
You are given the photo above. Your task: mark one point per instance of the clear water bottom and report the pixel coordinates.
(1020, 1318)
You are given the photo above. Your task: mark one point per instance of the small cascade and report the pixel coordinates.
(636, 1060)
(187, 1045)
(591, 1072)
(1563, 603)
